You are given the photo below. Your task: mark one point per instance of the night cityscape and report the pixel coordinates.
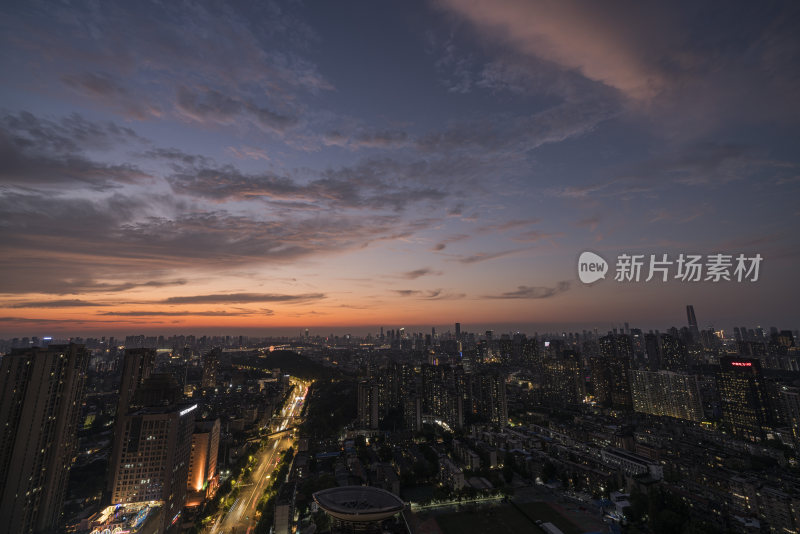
(425, 267)
(583, 431)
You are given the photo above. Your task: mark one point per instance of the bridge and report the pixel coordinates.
(256, 439)
(280, 431)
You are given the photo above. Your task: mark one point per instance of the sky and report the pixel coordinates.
(226, 167)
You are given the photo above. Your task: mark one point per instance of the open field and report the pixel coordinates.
(494, 519)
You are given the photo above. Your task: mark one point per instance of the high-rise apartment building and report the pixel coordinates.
(667, 393)
(674, 355)
(743, 397)
(41, 393)
(203, 476)
(442, 393)
(152, 463)
(652, 350)
(600, 379)
(210, 363)
(617, 351)
(487, 397)
(137, 365)
(563, 382)
(368, 404)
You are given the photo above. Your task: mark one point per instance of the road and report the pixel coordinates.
(240, 519)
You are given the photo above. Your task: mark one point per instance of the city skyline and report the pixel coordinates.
(244, 169)
(542, 331)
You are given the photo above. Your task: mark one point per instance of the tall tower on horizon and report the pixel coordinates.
(41, 392)
(691, 317)
(695, 331)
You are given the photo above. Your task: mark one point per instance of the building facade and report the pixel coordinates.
(41, 391)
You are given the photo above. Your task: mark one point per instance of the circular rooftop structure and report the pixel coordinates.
(359, 504)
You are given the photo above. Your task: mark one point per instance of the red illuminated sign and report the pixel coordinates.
(742, 364)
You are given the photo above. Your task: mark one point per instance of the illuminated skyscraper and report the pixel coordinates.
(617, 351)
(743, 397)
(210, 363)
(41, 392)
(601, 379)
(666, 393)
(563, 382)
(203, 476)
(152, 463)
(530, 353)
(368, 404)
(442, 393)
(487, 396)
(791, 402)
(673, 353)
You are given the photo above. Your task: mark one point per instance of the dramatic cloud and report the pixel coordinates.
(486, 256)
(657, 55)
(417, 273)
(73, 303)
(368, 139)
(450, 239)
(101, 87)
(373, 184)
(220, 313)
(68, 135)
(241, 298)
(533, 292)
(521, 133)
(91, 286)
(34, 321)
(593, 39)
(178, 158)
(53, 247)
(151, 51)
(429, 294)
(229, 183)
(36, 151)
(213, 106)
(165, 156)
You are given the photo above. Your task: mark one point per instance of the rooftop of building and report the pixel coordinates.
(359, 503)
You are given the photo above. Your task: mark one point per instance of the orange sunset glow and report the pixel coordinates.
(315, 172)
